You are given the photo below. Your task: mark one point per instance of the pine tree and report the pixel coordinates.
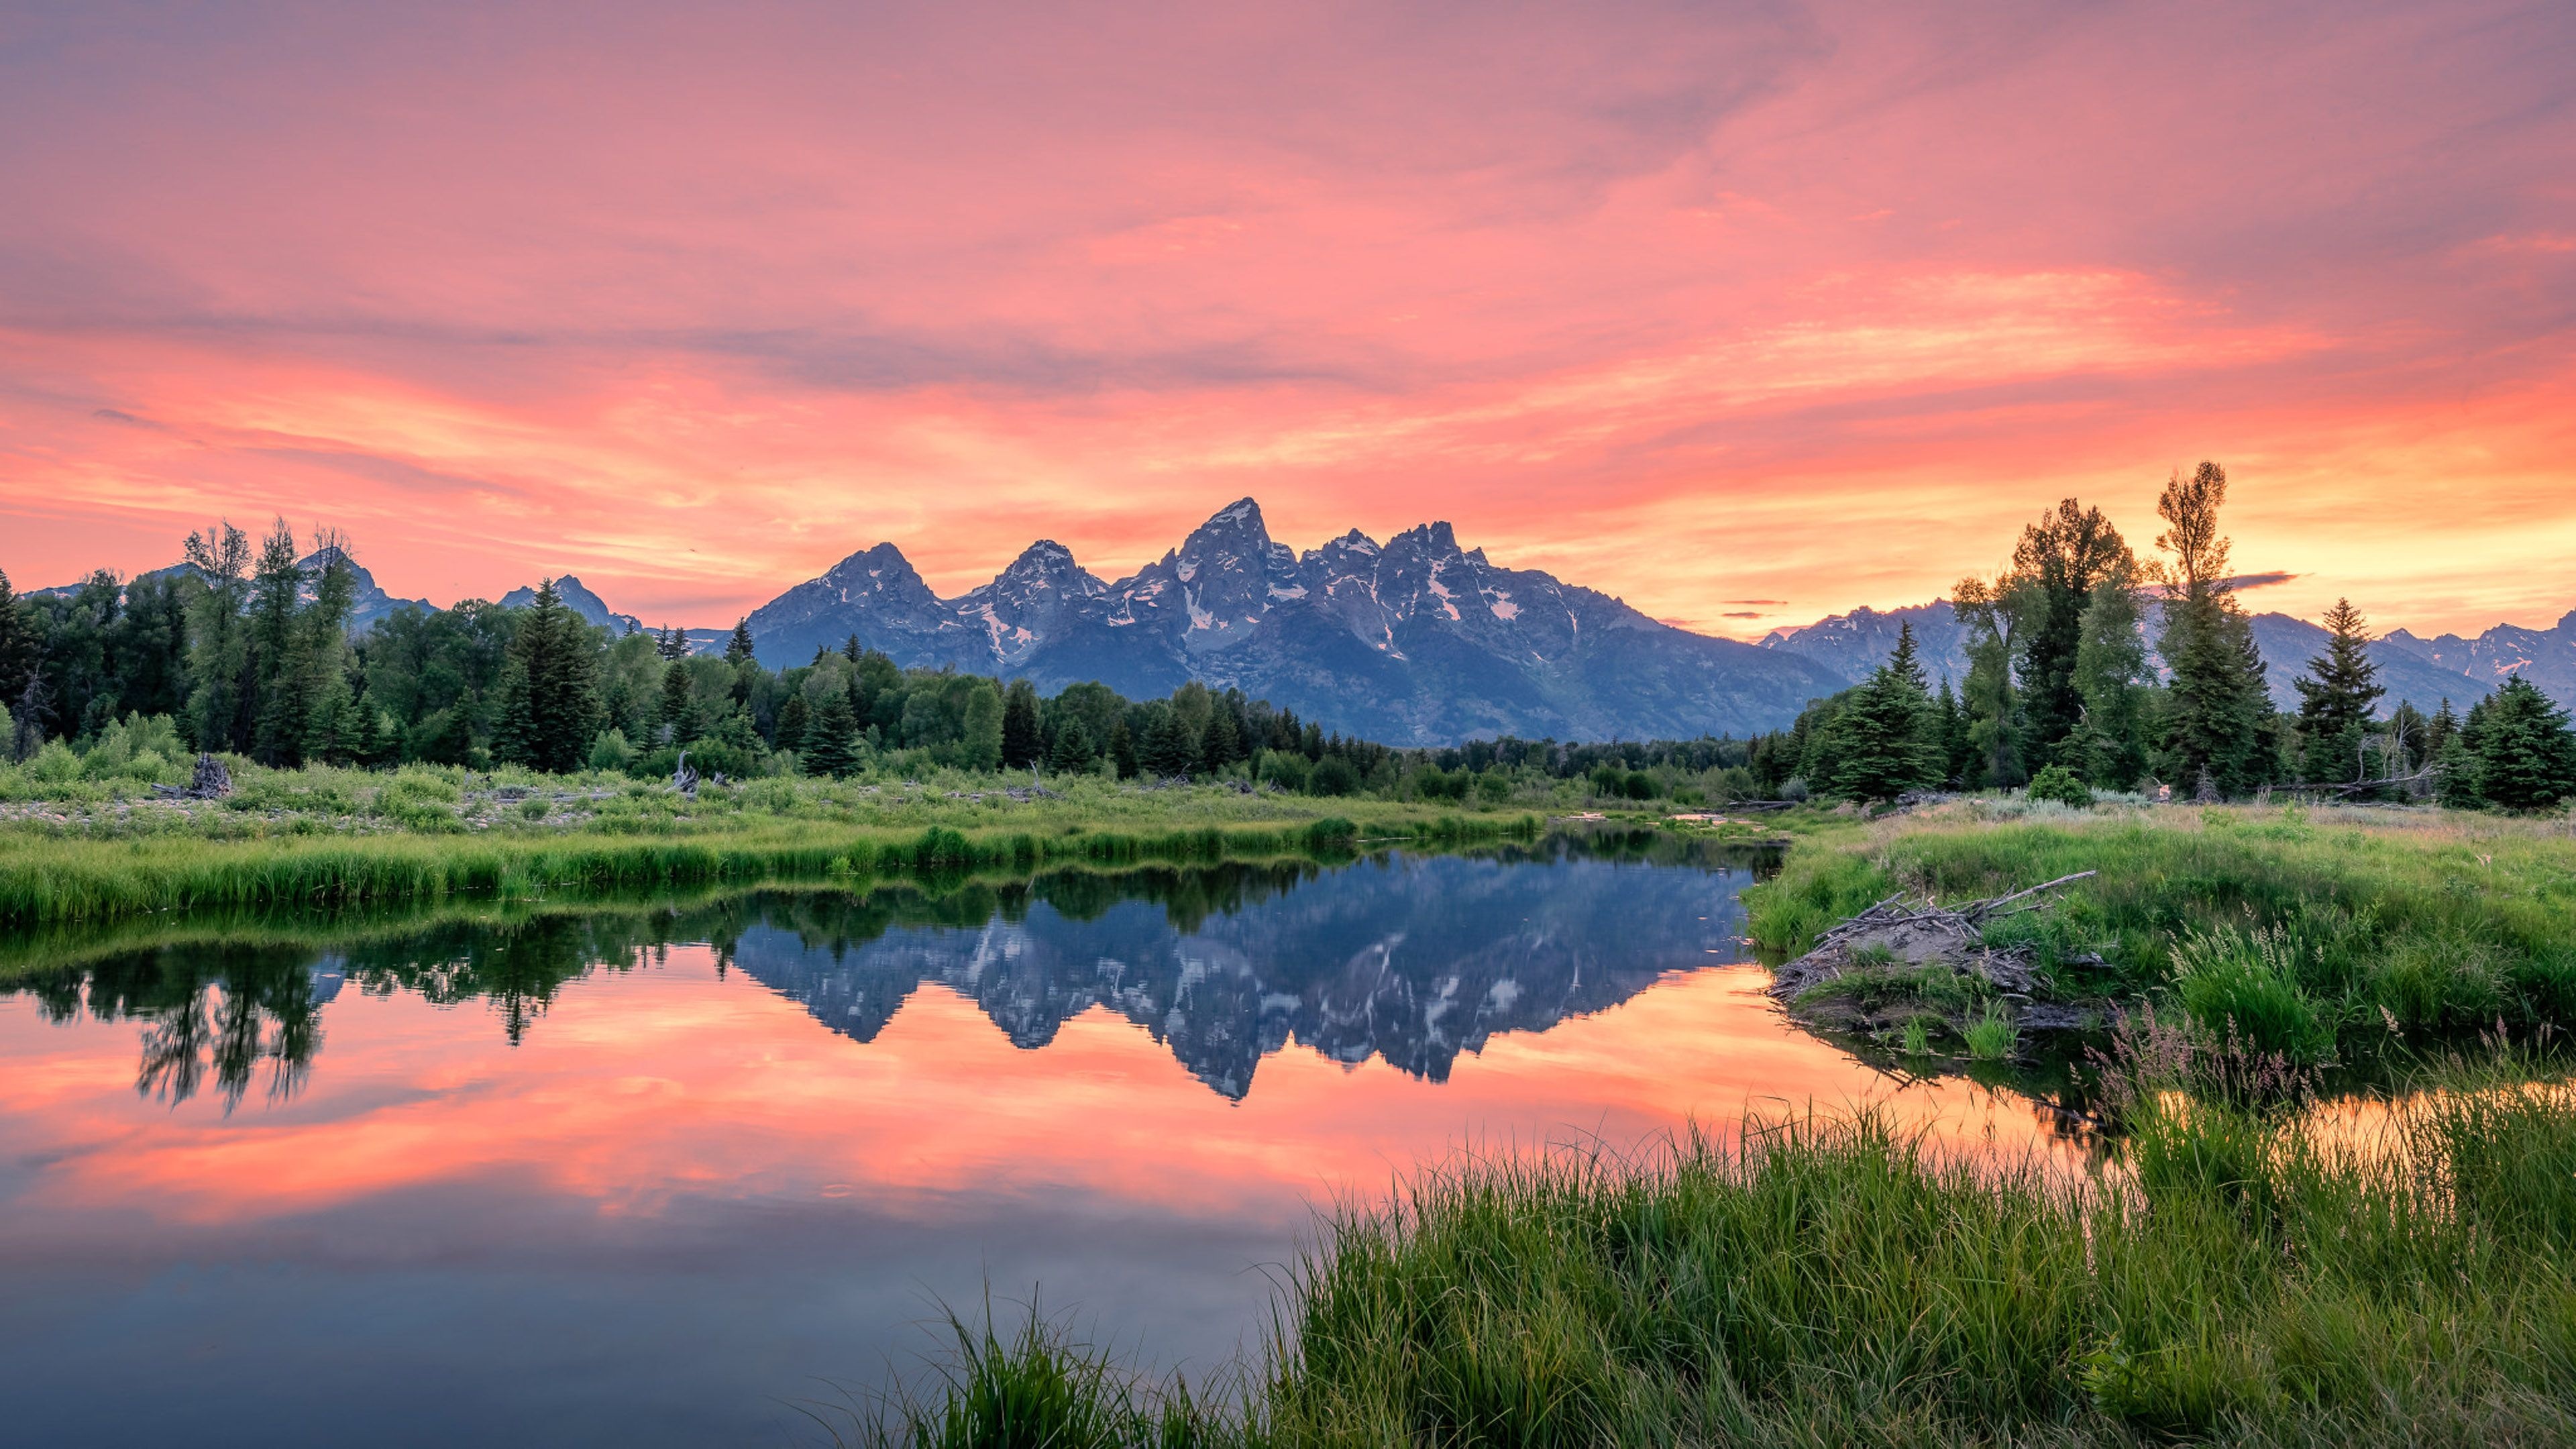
(1020, 726)
(1168, 751)
(19, 648)
(738, 648)
(1957, 752)
(282, 703)
(2526, 754)
(671, 643)
(1222, 745)
(2217, 704)
(2335, 699)
(1122, 749)
(793, 717)
(677, 700)
(829, 738)
(1883, 736)
(1072, 752)
(550, 704)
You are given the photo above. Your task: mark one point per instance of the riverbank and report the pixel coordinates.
(2312, 935)
(2250, 1276)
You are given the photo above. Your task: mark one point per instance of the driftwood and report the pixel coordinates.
(211, 782)
(683, 778)
(1912, 935)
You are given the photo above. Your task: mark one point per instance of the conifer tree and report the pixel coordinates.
(1020, 725)
(738, 648)
(2526, 754)
(283, 701)
(550, 705)
(793, 717)
(1223, 745)
(671, 643)
(2217, 704)
(1072, 751)
(1884, 735)
(1169, 752)
(677, 698)
(19, 649)
(219, 700)
(1122, 749)
(2336, 699)
(829, 747)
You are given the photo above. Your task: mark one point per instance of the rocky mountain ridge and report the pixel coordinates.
(1413, 641)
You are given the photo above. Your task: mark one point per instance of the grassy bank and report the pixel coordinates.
(2310, 933)
(67, 877)
(2259, 1279)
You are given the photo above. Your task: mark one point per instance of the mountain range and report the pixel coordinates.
(1413, 641)
(1418, 641)
(2424, 671)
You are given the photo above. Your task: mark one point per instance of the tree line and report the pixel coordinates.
(247, 650)
(2061, 694)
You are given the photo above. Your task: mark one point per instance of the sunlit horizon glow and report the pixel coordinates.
(1806, 305)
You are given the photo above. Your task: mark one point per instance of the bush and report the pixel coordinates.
(2060, 784)
(1334, 776)
(610, 752)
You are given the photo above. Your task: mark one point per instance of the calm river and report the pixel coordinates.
(656, 1174)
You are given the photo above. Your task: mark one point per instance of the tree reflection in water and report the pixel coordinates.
(1224, 976)
(212, 1011)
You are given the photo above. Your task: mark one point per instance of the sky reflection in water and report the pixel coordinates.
(564, 1182)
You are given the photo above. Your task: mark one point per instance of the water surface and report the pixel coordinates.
(651, 1174)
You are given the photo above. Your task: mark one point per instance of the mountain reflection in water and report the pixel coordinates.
(1411, 959)
(619, 1174)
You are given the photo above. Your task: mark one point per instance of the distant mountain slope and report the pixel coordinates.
(2424, 671)
(1415, 641)
(592, 609)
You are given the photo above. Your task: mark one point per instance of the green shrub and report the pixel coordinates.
(2060, 784)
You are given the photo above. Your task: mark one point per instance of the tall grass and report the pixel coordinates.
(2250, 1279)
(45, 879)
(2303, 935)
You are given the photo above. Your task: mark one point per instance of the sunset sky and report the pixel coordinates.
(1747, 313)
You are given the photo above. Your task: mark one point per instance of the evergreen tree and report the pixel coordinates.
(1020, 725)
(738, 648)
(18, 645)
(279, 681)
(678, 702)
(1169, 752)
(2525, 752)
(2336, 699)
(671, 643)
(1122, 749)
(793, 718)
(1222, 745)
(219, 701)
(2217, 704)
(1884, 735)
(550, 706)
(1072, 752)
(1950, 726)
(829, 738)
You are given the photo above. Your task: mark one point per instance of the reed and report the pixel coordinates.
(2247, 1279)
(2311, 932)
